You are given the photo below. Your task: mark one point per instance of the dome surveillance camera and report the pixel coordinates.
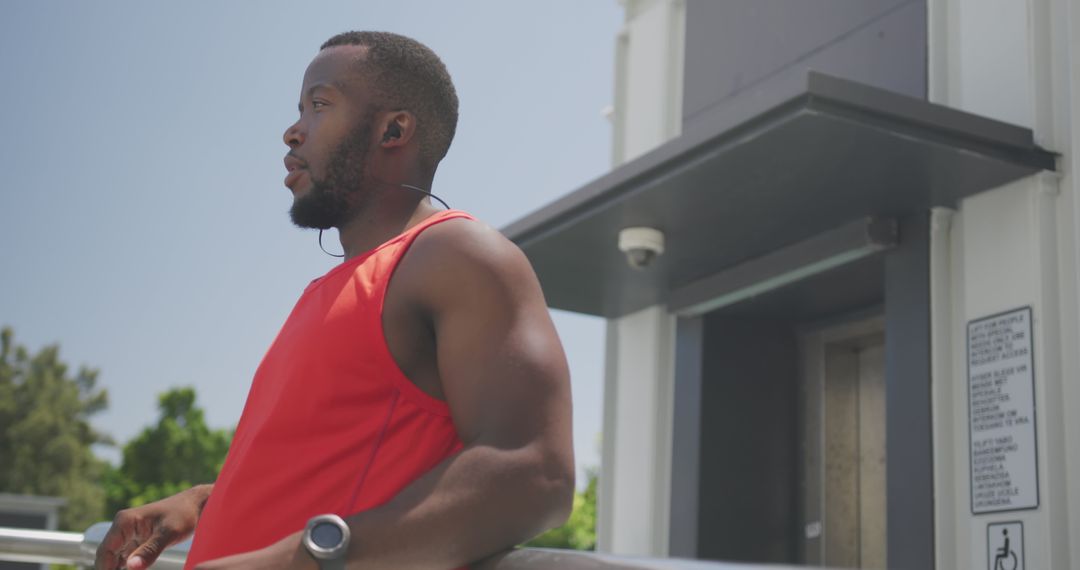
(641, 245)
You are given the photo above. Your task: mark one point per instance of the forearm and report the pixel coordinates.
(475, 503)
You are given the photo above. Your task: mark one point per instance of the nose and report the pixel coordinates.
(294, 135)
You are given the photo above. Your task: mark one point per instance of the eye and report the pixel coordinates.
(317, 104)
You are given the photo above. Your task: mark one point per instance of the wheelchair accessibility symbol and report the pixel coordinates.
(1005, 546)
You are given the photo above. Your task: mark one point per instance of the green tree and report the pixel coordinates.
(45, 435)
(579, 532)
(177, 453)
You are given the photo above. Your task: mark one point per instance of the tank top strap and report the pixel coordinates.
(380, 273)
(389, 257)
(410, 234)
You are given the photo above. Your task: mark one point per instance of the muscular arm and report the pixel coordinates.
(505, 378)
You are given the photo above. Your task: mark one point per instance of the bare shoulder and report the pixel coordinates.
(468, 244)
(467, 240)
(462, 257)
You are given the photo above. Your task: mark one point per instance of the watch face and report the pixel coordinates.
(326, 535)
(326, 538)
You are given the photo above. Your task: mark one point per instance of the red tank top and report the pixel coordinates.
(331, 424)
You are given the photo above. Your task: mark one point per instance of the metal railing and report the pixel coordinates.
(46, 546)
(51, 547)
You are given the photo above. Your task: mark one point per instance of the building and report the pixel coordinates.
(28, 512)
(857, 342)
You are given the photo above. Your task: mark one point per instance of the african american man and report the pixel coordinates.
(417, 390)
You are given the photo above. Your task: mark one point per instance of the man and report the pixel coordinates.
(418, 389)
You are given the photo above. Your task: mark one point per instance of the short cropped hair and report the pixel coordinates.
(407, 75)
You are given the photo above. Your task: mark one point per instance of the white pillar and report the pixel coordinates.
(635, 476)
(649, 53)
(634, 511)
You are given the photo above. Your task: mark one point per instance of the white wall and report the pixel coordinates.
(1011, 247)
(633, 510)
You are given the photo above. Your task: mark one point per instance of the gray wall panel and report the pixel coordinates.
(686, 437)
(748, 501)
(747, 47)
(910, 469)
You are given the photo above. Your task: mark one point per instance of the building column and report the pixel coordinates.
(635, 475)
(634, 502)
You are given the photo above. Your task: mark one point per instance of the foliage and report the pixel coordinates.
(45, 436)
(579, 532)
(177, 453)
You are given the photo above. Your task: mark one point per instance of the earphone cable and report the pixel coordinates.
(324, 249)
(428, 192)
(410, 187)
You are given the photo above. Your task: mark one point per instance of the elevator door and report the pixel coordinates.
(845, 449)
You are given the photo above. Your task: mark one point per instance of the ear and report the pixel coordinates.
(397, 128)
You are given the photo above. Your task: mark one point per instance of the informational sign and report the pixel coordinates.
(1005, 546)
(1001, 399)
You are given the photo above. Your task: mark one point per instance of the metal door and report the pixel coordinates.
(844, 446)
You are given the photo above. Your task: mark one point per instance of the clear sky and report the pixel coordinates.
(143, 220)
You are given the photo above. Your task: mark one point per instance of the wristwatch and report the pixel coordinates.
(326, 538)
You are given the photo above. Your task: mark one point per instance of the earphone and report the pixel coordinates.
(392, 132)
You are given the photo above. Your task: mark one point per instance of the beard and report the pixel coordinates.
(338, 196)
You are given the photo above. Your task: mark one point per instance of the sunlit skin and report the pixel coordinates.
(465, 320)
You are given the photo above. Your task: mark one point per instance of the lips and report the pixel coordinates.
(292, 177)
(292, 163)
(296, 168)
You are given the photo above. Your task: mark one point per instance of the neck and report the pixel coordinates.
(390, 213)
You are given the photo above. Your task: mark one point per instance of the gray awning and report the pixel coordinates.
(724, 193)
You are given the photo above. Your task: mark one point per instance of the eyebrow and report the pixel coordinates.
(311, 91)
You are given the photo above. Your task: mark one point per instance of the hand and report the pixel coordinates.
(285, 554)
(139, 535)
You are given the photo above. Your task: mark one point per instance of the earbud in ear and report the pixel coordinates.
(392, 132)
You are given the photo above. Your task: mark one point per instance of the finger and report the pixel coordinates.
(148, 551)
(101, 559)
(106, 556)
(108, 559)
